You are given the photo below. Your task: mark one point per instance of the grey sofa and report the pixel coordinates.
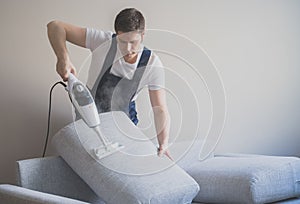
(136, 175)
(51, 180)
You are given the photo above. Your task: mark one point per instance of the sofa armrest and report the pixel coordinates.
(19, 195)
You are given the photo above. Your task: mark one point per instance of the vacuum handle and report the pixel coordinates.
(71, 80)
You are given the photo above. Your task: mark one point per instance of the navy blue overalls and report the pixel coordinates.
(113, 93)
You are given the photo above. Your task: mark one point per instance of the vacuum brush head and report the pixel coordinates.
(107, 150)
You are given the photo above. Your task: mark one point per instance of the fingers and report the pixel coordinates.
(63, 74)
(166, 152)
(73, 71)
(63, 67)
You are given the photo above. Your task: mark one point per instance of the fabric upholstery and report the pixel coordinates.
(53, 175)
(249, 179)
(133, 175)
(10, 194)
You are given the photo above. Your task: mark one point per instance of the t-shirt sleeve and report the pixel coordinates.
(94, 38)
(156, 75)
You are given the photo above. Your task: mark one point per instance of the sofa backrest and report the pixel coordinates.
(53, 175)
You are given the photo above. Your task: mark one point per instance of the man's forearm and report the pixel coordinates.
(57, 38)
(162, 125)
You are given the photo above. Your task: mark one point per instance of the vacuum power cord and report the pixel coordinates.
(49, 113)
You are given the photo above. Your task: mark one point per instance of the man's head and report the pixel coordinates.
(128, 20)
(130, 27)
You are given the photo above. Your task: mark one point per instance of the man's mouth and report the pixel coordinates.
(130, 54)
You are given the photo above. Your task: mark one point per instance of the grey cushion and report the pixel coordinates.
(53, 175)
(247, 179)
(134, 175)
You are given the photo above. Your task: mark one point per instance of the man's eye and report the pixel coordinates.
(134, 42)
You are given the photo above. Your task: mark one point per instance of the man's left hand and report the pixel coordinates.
(164, 151)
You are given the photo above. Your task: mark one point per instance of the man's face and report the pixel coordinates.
(129, 43)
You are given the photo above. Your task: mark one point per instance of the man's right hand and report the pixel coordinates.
(58, 33)
(63, 67)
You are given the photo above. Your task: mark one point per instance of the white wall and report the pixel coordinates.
(254, 44)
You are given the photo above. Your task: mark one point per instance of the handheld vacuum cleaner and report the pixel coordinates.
(84, 103)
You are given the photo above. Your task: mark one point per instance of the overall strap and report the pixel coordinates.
(142, 64)
(144, 58)
(109, 59)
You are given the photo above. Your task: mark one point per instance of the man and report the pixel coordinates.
(120, 67)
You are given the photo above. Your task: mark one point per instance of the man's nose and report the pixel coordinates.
(128, 47)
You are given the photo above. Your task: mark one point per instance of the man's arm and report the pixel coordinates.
(161, 119)
(58, 33)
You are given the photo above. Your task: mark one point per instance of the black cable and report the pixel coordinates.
(49, 113)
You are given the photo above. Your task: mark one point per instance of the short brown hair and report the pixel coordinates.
(129, 19)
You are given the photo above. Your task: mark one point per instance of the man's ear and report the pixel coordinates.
(142, 36)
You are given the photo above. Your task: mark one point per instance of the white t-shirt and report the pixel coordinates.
(99, 43)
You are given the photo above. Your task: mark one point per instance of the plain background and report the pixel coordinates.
(254, 44)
